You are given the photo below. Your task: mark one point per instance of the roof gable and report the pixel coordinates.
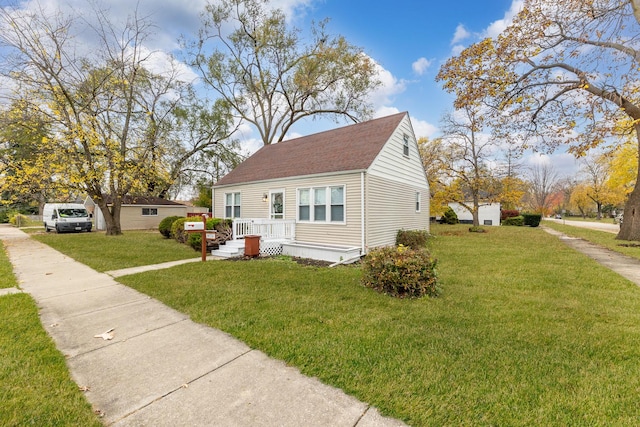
(350, 148)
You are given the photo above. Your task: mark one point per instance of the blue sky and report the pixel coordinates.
(409, 40)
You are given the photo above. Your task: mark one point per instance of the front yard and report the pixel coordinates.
(525, 332)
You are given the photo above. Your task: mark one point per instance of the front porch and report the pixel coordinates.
(278, 237)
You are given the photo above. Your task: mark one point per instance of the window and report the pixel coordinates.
(337, 204)
(417, 201)
(321, 204)
(303, 205)
(149, 212)
(232, 205)
(405, 146)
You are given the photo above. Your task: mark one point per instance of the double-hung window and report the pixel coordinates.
(405, 146)
(149, 211)
(232, 205)
(417, 201)
(321, 204)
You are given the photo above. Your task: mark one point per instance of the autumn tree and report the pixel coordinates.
(595, 171)
(564, 72)
(271, 77)
(25, 176)
(467, 154)
(109, 109)
(581, 200)
(433, 155)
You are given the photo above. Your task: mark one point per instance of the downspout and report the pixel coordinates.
(213, 202)
(363, 228)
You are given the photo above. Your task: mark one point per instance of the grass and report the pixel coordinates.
(602, 238)
(7, 278)
(35, 385)
(526, 332)
(105, 253)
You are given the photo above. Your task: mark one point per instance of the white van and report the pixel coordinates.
(66, 217)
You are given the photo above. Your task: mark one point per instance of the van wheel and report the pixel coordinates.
(57, 229)
(46, 228)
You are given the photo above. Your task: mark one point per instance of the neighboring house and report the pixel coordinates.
(332, 195)
(139, 213)
(488, 214)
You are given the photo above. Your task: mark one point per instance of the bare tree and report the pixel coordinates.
(543, 180)
(467, 151)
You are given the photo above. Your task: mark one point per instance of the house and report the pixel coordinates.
(488, 214)
(333, 195)
(139, 212)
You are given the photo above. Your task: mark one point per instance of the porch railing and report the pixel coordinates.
(267, 228)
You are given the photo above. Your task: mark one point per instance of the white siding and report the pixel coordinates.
(487, 214)
(391, 207)
(393, 165)
(252, 206)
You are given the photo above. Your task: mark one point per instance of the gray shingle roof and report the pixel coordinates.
(349, 148)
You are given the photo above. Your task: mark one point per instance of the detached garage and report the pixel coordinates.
(139, 213)
(488, 214)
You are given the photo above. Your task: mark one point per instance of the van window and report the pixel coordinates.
(72, 213)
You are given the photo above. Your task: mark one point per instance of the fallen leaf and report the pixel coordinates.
(84, 388)
(48, 274)
(108, 335)
(53, 325)
(184, 386)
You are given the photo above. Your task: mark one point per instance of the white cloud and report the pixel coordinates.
(461, 34)
(390, 87)
(421, 65)
(497, 27)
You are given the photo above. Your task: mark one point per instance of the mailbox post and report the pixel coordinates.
(199, 227)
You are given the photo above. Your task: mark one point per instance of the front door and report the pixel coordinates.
(277, 204)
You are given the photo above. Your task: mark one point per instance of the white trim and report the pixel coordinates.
(363, 228)
(284, 204)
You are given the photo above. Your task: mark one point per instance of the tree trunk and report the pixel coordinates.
(630, 228)
(111, 216)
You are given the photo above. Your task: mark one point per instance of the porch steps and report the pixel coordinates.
(230, 249)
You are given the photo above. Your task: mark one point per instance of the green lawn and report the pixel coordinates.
(35, 386)
(7, 279)
(602, 238)
(105, 253)
(526, 331)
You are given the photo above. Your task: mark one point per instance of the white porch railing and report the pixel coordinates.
(267, 228)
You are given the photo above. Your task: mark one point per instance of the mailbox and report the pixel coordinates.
(194, 226)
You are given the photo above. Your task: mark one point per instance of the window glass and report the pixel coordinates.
(303, 205)
(406, 145)
(418, 201)
(232, 205)
(320, 204)
(337, 204)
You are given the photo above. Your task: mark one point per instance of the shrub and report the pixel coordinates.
(400, 271)
(177, 228)
(165, 225)
(514, 220)
(477, 229)
(532, 220)
(508, 213)
(449, 217)
(19, 220)
(414, 239)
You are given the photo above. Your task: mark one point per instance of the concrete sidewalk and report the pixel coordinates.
(625, 266)
(160, 368)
